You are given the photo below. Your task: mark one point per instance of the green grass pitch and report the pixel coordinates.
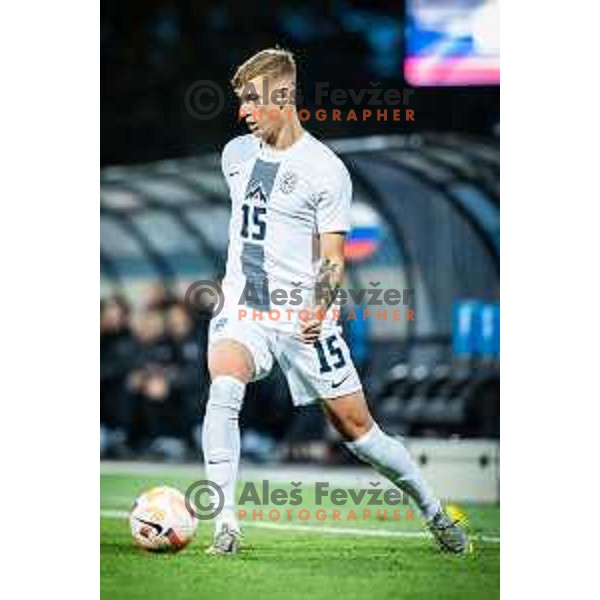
(281, 562)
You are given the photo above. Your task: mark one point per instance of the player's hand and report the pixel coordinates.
(311, 330)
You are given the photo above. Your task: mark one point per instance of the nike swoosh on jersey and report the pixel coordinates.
(336, 384)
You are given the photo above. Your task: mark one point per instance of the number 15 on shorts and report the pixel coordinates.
(330, 354)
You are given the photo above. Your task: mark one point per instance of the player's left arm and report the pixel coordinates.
(329, 279)
(331, 271)
(333, 221)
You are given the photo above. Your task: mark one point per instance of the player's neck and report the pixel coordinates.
(290, 132)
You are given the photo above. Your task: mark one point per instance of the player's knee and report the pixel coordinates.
(356, 428)
(230, 359)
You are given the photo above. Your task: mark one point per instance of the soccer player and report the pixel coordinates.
(290, 211)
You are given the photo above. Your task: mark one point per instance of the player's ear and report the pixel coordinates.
(283, 93)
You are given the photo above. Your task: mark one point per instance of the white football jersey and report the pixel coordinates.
(281, 200)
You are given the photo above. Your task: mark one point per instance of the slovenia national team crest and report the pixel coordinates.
(288, 182)
(256, 193)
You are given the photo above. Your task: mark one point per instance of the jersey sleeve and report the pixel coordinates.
(334, 201)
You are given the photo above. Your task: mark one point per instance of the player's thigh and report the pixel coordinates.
(230, 357)
(349, 414)
(320, 370)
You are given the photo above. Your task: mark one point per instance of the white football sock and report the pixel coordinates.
(221, 438)
(388, 456)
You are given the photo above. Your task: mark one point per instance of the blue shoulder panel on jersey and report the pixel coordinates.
(258, 191)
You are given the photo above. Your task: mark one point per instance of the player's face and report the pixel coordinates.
(261, 106)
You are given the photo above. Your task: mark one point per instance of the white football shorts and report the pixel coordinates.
(313, 371)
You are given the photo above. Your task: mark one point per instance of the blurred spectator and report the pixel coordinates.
(117, 351)
(158, 298)
(153, 377)
(189, 373)
(156, 404)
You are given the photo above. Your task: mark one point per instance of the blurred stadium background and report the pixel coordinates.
(426, 200)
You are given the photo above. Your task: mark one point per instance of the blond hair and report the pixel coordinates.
(271, 63)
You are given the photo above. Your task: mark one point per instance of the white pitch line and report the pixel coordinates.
(122, 514)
